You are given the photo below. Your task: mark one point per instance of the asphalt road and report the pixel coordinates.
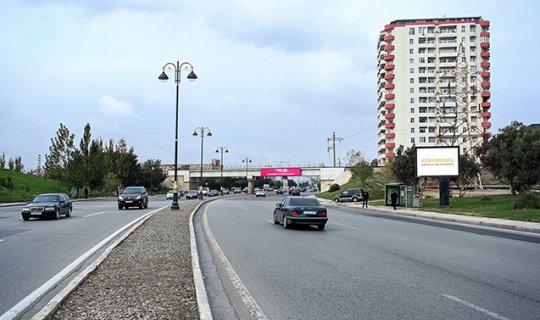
(32, 252)
(375, 266)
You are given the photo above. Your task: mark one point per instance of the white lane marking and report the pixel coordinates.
(250, 303)
(246, 209)
(475, 307)
(346, 226)
(31, 299)
(1, 240)
(94, 214)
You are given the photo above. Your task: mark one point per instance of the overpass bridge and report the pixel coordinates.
(188, 179)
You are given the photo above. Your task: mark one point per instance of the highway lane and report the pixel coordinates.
(34, 251)
(375, 266)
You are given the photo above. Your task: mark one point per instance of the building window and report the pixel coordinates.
(411, 90)
(411, 51)
(422, 60)
(412, 130)
(462, 28)
(473, 28)
(411, 70)
(411, 31)
(412, 140)
(462, 39)
(411, 60)
(431, 139)
(422, 139)
(412, 110)
(412, 120)
(411, 41)
(411, 80)
(412, 100)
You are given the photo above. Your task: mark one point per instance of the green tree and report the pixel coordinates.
(404, 169)
(513, 155)
(3, 161)
(11, 164)
(60, 153)
(18, 164)
(152, 174)
(469, 169)
(362, 171)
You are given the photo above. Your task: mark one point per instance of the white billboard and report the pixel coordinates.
(437, 161)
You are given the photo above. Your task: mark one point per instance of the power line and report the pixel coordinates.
(333, 139)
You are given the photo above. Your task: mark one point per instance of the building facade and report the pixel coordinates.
(433, 84)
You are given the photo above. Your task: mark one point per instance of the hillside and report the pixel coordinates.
(25, 186)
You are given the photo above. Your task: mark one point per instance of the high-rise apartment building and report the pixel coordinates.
(433, 84)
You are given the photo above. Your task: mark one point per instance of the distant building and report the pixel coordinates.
(433, 84)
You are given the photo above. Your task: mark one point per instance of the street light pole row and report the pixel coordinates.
(202, 131)
(221, 149)
(177, 68)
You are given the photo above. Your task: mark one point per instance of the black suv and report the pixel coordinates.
(133, 197)
(354, 195)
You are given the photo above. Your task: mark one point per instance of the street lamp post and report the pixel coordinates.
(247, 161)
(202, 131)
(177, 68)
(221, 150)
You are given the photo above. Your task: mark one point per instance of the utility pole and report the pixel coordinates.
(333, 139)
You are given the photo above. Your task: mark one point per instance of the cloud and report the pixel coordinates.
(114, 107)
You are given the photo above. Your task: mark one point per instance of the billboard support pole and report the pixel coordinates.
(444, 192)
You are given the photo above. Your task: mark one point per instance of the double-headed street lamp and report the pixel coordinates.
(221, 150)
(202, 131)
(177, 68)
(247, 161)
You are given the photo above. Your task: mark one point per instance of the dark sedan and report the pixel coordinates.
(49, 205)
(192, 194)
(300, 210)
(133, 197)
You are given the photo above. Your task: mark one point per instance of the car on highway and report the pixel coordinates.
(48, 205)
(213, 193)
(353, 195)
(192, 194)
(225, 191)
(171, 192)
(260, 193)
(300, 211)
(279, 191)
(134, 196)
(294, 191)
(237, 190)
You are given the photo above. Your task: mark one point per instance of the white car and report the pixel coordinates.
(260, 193)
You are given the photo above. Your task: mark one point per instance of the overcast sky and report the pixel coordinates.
(276, 77)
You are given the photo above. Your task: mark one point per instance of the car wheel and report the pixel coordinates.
(57, 214)
(336, 200)
(141, 205)
(275, 219)
(26, 218)
(146, 204)
(355, 199)
(321, 227)
(120, 207)
(68, 214)
(285, 224)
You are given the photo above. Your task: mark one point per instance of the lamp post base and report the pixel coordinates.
(174, 205)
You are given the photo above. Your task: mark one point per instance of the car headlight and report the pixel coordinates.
(120, 198)
(138, 197)
(26, 210)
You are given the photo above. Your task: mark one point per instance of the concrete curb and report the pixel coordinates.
(449, 217)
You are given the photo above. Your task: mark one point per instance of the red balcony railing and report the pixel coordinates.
(484, 44)
(389, 76)
(389, 47)
(390, 125)
(485, 74)
(389, 38)
(484, 23)
(486, 104)
(485, 84)
(485, 64)
(390, 116)
(390, 106)
(390, 135)
(389, 57)
(390, 145)
(389, 67)
(486, 114)
(484, 54)
(486, 134)
(390, 155)
(389, 86)
(486, 94)
(389, 96)
(486, 124)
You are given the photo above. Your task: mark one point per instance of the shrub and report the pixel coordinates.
(527, 201)
(334, 187)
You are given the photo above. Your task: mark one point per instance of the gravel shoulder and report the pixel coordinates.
(147, 276)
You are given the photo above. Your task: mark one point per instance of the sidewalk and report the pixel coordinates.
(457, 218)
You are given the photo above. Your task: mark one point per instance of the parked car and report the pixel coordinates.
(135, 196)
(300, 210)
(213, 193)
(260, 193)
(225, 191)
(237, 190)
(192, 194)
(48, 205)
(354, 195)
(279, 191)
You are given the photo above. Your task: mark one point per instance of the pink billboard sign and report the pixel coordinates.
(280, 172)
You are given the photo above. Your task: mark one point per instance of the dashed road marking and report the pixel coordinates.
(346, 226)
(94, 214)
(475, 307)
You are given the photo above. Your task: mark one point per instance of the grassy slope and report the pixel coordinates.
(26, 186)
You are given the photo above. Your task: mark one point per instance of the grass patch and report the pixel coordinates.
(498, 206)
(26, 186)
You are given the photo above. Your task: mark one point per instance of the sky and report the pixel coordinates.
(276, 78)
